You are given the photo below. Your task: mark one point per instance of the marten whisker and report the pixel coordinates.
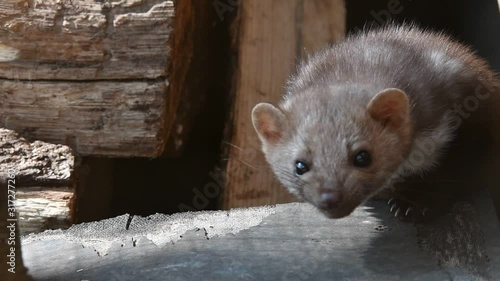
(233, 145)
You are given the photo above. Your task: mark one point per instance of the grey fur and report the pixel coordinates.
(326, 116)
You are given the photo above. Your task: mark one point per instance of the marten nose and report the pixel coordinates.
(330, 199)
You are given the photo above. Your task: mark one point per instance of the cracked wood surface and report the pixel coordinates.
(88, 74)
(41, 176)
(283, 242)
(85, 39)
(98, 118)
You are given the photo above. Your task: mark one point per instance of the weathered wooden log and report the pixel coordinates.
(94, 118)
(85, 40)
(268, 46)
(90, 74)
(40, 178)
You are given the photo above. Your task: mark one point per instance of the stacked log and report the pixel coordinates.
(39, 178)
(90, 74)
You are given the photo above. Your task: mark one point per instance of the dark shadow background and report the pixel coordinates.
(476, 23)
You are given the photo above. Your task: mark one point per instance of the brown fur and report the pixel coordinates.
(390, 92)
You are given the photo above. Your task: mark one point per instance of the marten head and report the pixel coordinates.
(335, 147)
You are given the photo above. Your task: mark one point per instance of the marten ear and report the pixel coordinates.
(390, 107)
(269, 122)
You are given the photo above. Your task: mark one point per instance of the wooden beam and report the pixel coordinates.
(284, 242)
(271, 37)
(323, 22)
(97, 118)
(42, 208)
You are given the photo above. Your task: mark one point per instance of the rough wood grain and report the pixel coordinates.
(271, 36)
(323, 22)
(37, 163)
(42, 208)
(90, 74)
(97, 118)
(84, 39)
(41, 178)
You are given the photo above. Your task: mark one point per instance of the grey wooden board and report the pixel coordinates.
(283, 242)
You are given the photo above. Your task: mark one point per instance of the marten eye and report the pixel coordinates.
(301, 168)
(362, 159)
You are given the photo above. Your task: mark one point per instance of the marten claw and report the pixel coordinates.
(397, 213)
(392, 207)
(404, 211)
(390, 201)
(409, 211)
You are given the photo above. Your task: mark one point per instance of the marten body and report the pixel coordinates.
(363, 114)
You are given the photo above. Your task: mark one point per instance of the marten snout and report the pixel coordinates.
(330, 199)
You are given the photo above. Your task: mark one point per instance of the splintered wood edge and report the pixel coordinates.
(42, 208)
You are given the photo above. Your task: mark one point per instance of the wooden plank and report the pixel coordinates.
(272, 36)
(283, 242)
(266, 57)
(323, 22)
(85, 40)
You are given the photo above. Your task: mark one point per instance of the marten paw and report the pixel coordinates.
(408, 211)
(420, 202)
